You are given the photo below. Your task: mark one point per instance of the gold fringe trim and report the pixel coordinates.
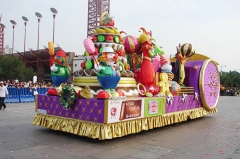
(113, 130)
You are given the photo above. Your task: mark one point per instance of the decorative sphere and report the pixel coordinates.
(187, 50)
(130, 44)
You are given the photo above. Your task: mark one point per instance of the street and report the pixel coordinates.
(216, 136)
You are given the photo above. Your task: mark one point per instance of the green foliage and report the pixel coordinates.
(12, 68)
(230, 78)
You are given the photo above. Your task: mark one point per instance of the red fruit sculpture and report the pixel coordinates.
(94, 38)
(106, 20)
(83, 65)
(109, 38)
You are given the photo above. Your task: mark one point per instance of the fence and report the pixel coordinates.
(21, 95)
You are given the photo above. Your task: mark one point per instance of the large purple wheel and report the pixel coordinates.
(209, 84)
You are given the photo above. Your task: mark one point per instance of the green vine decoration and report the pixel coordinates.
(107, 18)
(67, 96)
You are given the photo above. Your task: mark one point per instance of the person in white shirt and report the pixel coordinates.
(3, 94)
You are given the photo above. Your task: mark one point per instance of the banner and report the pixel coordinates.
(154, 106)
(120, 110)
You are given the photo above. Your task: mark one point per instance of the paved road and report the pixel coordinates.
(216, 136)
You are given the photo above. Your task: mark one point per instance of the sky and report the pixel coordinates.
(211, 26)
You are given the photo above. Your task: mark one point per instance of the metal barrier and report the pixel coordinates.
(21, 95)
(13, 96)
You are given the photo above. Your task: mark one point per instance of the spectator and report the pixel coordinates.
(3, 94)
(28, 84)
(16, 80)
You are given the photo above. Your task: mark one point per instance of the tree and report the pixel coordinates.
(12, 68)
(230, 78)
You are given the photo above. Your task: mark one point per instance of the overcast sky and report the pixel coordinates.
(212, 26)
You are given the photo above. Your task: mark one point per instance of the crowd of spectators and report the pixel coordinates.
(229, 90)
(29, 84)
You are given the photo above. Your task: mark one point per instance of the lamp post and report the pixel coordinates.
(25, 19)
(14, 24)
(221, 68)
(2, 26)
(39, 16)
(54, 11)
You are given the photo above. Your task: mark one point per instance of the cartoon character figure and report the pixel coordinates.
(164, 85)
(147, 73)
(183, 53)
(166, 67)
(180, 70)
(60, 70)
(108, 72)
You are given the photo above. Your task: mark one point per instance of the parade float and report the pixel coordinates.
(125, 84)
